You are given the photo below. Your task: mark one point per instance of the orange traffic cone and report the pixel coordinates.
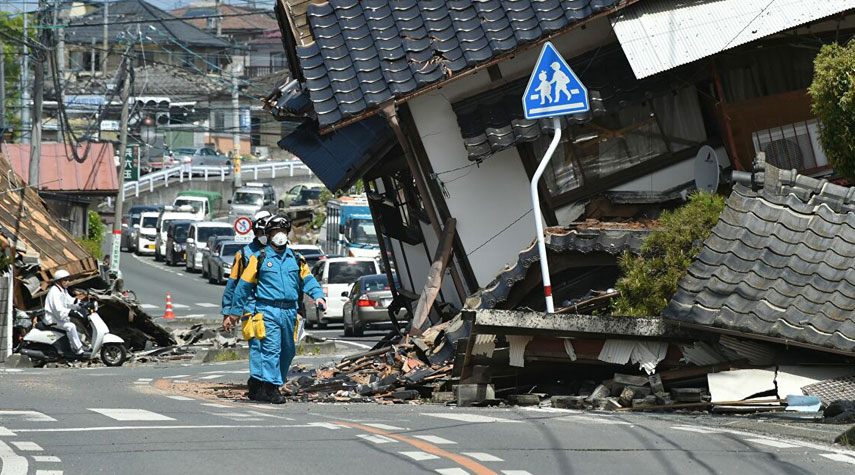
(169, 313)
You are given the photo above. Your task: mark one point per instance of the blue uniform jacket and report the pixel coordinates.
(280, 277)
(241, 260)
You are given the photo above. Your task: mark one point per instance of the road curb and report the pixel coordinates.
(220, 354)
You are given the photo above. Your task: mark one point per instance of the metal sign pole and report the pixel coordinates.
(538, 216)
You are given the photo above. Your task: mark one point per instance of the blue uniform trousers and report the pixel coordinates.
(278, 347)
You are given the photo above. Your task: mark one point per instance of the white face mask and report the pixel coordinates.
(262, 240)
(280, 239)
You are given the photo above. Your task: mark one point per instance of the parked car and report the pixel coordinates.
(207, 253)
(131, 225)
(146, 233)
(252, 198)
(311, 252)
(292, 197)
(205, 203)
(336, 276)
(366, 305)
(176, 241)
(222, 260)
(197, 240)
(167, 215)
(201, 156)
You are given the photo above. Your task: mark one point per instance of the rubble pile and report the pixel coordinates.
(410, 370)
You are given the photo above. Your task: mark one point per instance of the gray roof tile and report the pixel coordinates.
(778, 263)
(438, 39)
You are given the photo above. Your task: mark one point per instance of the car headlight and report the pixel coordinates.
(176, 246)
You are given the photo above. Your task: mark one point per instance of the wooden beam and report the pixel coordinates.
(434, 278)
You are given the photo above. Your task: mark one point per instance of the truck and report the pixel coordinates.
(348, 229)
(205, 204)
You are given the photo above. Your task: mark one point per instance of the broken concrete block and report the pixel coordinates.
(471, 394)
(442, 397)
(646, 401)
(599, 392)
(524, 399)
(607, 404)
(406, 395)
(18, 361)
(569, 402)
(686, 394)
(656, 385)
(663, 399)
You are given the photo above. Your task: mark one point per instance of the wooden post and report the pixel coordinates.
(434, 278)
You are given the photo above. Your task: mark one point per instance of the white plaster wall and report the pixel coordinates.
(484, 199)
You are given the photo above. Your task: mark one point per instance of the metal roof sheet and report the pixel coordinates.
(60, 172)
(657, 35)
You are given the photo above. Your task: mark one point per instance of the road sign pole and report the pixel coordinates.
(538, 215)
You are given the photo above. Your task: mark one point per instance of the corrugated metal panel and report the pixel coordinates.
(657, 35)
(58, 171)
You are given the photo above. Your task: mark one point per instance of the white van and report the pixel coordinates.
(147, 233)
(167, 216)
(197, 240)
(336, 276)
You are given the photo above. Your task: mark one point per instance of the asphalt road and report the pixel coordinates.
(194, 299)
(121, 420)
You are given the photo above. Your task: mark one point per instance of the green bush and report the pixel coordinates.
(94, 236)
(833, 102)
(650, 278)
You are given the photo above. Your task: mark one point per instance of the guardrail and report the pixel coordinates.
(188, 172)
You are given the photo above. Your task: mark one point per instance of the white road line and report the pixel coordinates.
(46, 459)
(145, 380)
(384, 427)
(212, 376)
(239, 371)
(29, 416)
(13, 370)
(475, 418)
(27, 446)
(434, 439)
(516, 472)
(148, 306)
(12, 463)
(773, 443)
(483, 457)
(452, 471)
(179, 306)
(353, 343)
(594, 419)
(699, 430)
(213, 404)
(48, 472)
(326, 425)
(4, 432)
(206, 305)
(176, 376)
(121, 414)
(272, 416)
(418, 456)
(186, 427)
(377, 439)
(181, 398)
(840, 458)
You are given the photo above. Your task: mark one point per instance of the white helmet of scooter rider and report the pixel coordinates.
(61, 274)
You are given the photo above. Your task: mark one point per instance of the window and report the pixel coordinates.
(207, 232)
(792, 146)
(348, 271)
(219, 121)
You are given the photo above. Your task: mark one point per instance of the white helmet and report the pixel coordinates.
(61, 274)
(259, 215)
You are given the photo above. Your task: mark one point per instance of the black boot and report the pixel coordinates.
(272, 393)
(253, 385)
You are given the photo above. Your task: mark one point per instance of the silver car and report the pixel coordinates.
(202, 156)
(222, 260)
(366, 305)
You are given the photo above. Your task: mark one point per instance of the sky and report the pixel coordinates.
(18, 5)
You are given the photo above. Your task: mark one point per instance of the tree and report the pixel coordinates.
(650, 278)
(11, 26)
(833, 102)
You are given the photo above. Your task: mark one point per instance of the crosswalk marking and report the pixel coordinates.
(176, 376)
(468, 417)
(4, 432)
(840, 458)
(418, 456)
(46, 459)
(483, 457)
(131, 414)
(28, 416)
(452, 471)
(27, 446)
(148, 306)
(12, 463)
(377, 439)
(384, 427)
(773, 443)
(181, 398)
(515, 472)
(48, 472)
(207, 305)
(699, 430)
(178, 306)
(434, 439)
(212, 376)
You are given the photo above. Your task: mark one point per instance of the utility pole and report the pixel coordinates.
(38, 95)
(236, 125)
(60, 43)
(127, 65)
(106, 46)
(2, 89)
(25, 82)
(219, 18)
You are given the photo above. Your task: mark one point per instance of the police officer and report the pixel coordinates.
(259, 241)
(277, 276)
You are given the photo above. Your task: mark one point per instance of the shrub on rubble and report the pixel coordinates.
(94, 236)
(649, 279)
(832, 94)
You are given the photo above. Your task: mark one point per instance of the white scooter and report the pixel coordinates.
(45, 343)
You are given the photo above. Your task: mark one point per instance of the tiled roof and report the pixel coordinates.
(84, 29)
(366, 52)
(153, 79)
(778, 262)
(558, 240)
(234, 18)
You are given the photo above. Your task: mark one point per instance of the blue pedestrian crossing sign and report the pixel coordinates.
(553, 88)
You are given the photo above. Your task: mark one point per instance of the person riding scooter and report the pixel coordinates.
(58, 305)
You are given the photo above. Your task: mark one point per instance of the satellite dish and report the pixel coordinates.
(706, 170)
